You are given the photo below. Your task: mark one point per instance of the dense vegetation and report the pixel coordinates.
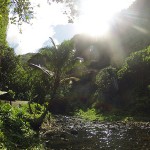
(76, 76)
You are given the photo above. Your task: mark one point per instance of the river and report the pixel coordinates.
(77, 134)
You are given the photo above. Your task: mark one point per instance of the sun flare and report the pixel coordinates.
(96, 15)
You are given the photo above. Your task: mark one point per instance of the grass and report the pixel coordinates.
(91, 114)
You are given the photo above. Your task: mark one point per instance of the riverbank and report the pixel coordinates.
(92, 115)
(76, 133)
(79, 131)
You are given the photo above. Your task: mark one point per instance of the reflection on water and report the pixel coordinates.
(77, 134)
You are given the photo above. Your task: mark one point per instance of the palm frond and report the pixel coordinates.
(2, 92)
(53, 42)
(46, 71)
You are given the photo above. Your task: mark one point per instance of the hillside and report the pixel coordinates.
(130, 32)
(24, 58)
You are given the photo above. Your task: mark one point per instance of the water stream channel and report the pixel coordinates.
(77, 134)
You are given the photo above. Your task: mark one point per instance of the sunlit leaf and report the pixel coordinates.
(46, 71)
(2, 92)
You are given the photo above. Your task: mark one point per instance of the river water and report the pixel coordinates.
(78, 134)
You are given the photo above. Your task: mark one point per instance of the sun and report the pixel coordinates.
(96, 15)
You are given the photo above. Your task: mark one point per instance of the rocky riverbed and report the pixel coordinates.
(72, 133)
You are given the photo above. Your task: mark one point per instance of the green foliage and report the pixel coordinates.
(127, 119)
(136, 64)
(56, 62)
(59, 63)
(37, 110)
(135, 72)
(23, 10)
(25, 57)
(106, 79)
(3, 23)
(37, 86)
(12, 74)
(7, 67)
(16, 132)
(60, 56)
(90, 114)
(107, 85)
(134, 81)
(11, 93)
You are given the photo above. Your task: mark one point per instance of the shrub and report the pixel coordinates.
(107, 86)
(16, 132)
(106, 79)
(135, 70)
(134, 80)
(90, 114)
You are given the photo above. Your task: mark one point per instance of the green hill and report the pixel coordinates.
(24, 58)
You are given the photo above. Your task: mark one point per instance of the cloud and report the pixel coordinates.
(35, 36)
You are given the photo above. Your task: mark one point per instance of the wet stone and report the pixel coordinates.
(77, 134)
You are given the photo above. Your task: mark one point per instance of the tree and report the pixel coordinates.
(135, 70)
(59, 60)
(12, 74)
(8, 66)
(134, 78)
(107, 87)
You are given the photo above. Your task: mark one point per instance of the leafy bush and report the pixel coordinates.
(134, 80)
(136, 70)
(107, 86)
(90, 114)
(106, 78)
(33, 112)
(16, 132)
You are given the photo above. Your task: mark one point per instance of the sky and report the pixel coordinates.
(49, 21)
